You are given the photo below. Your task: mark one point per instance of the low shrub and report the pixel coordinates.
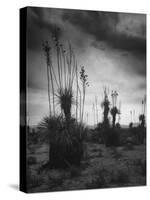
(120, 177)
(74, 171)
(97, 181)
(139, 134)
(100, 178)
(112, 137)
(129, 146)
(55, 178)
(33, 180)
(140, 166)
(31, 160)
(116, 154)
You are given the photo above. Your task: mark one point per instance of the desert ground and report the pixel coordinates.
(101, 167)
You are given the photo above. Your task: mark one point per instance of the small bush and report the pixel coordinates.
(120, 177)
(112, 137)
(74, 171)
(55, 178)
(96, 182)
(123, 177)
(139, 134)
(33, 180)
(31, 160)
(99, 179)
(140, 166)
(129, 147)
(116, 154)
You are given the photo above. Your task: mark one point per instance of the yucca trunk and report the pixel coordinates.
(113, 120)
(67, 110)
(106, 111)
(114, 112)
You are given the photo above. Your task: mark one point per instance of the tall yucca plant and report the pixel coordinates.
(63, 77)
(65, 133)
(84, 81)
(106, 105)
(114, 110)
(66, 71)
(142, 116)
(65, 91)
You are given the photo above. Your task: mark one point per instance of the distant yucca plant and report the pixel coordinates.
(142, 120)
(114, 111)
(105, 104)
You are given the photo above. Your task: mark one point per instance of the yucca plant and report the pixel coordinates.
(104, 130)
(65, 133)
(84, 81)
(65, 145)
(106, 105)
(142, 120)
(114, 111)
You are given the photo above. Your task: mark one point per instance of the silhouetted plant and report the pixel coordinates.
(118, 125)
(114, 111)
(65, 133)
(105, 104)
(84, 81)
(131, 125)
(65, 143)
(142, 120)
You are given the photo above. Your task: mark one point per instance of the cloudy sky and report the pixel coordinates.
(111, 46)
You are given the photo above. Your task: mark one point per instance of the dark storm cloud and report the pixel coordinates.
(39, 27)
(96, 23)
(109, 31)
(103, 26)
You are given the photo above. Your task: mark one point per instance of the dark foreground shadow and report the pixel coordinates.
(14, 186)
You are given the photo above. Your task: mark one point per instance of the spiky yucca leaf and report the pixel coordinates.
(65, 99)
(50, 123)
